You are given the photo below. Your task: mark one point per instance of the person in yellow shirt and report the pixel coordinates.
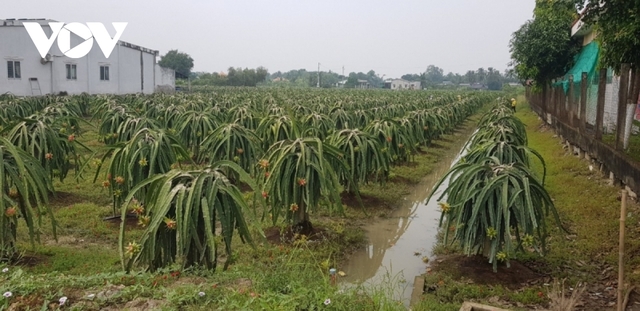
(513, 104)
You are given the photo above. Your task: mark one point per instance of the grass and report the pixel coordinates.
(634, 144)
(588, 208)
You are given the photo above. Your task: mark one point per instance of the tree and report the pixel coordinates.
(618, 28)
(494, 79)
(434, 75)
(470, 76)
(181, 62)
(542, 49)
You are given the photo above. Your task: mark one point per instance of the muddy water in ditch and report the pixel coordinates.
(396, 245)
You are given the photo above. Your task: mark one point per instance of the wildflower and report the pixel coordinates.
(13, 193)
(171, 224)
(267, 174)
(143, 162)
(63, 300)
(327, 302)
(201, 294)
(294, 207)
(7, 294)
(265, 194)
(106, 184)
(389, 139)
(264, 164)
(132, 249)
(48, 156)
(444, 206)
(120, 180)
(71, 138)
(302, 182)
(10, 212)
(117, 193)
(501, 256)
(240, 151)
(5, 270)
(253, 295)
(400, 146)
(109, 176)
(236, 158)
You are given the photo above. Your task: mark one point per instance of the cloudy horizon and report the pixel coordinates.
(391, 38)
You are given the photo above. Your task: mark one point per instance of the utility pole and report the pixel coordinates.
(343, 70)
(318, 75)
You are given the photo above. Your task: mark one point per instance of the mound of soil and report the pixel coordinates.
(480, 271)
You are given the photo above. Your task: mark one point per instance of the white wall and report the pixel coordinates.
(15, 44)
(400, 84)
(165, 79)
(127, 65)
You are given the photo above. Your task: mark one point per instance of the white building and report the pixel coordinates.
(401, 84)
(23, 72)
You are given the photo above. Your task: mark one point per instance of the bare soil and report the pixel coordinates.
(476, 269)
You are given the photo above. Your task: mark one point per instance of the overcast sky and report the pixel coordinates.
(392, 37)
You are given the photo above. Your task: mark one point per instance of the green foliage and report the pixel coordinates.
(617, 25)
(301, 173)
(364, 154)
(543, 49)
(52, 147)
(179, 61)
(147, 153)
(495, 203)
(187, 215)
(25, 189)
(232, 142)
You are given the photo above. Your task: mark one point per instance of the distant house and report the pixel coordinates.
(446, 83)
(362, 84)
(478, 86)
(402, 84)
(464, 84)
(280, 79)
(341, 84)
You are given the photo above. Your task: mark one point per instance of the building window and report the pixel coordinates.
(104, 73)
(72, 72)
(13, 69)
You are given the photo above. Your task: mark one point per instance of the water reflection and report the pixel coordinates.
(398, 244)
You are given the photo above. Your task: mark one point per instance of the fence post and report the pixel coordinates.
(552, 101)
(545, 101)
(622, 105)
(571, 109)
(583, 102)
(602, 89)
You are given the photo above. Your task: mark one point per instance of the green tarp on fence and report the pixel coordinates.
(586, 61)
